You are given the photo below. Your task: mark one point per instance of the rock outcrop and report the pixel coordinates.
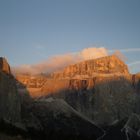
(90, 68)
(9, 99)
(4, 66)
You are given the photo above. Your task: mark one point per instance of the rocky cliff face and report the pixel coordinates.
(86, 94)
(9, 98)
(90, 68)
(57, 85)
(87, 74)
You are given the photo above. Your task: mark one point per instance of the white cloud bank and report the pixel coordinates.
(58, 62)
(93, 53)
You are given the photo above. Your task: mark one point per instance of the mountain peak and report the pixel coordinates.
(104, 65)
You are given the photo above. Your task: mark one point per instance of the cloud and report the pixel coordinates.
(134, 66)
(28, 69)
(134, 63)
(93, 53)
(39, 47)
(58, 62)
(127, 50)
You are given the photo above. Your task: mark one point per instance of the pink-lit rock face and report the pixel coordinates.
(89, 68)
(29, 81)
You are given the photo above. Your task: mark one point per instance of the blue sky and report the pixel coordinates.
(34, 30)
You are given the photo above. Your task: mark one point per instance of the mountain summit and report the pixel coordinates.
(89, 68)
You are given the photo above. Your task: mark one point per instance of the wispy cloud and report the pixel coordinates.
(93, 53)
(133, 63)
(126, 50)
(39, 47)
(134, 67)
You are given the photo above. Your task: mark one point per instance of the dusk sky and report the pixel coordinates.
(32, 31)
